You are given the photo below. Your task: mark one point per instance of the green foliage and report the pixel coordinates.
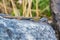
(12, 13)
(41, 5)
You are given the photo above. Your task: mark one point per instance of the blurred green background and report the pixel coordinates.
(43, 6)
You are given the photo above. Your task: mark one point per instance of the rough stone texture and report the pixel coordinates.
(12, 29)
(55, 10)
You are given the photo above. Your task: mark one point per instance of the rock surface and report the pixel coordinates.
(12, 29)
(55, 8)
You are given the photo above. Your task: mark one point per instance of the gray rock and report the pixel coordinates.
(55, 8)
(12, 29)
